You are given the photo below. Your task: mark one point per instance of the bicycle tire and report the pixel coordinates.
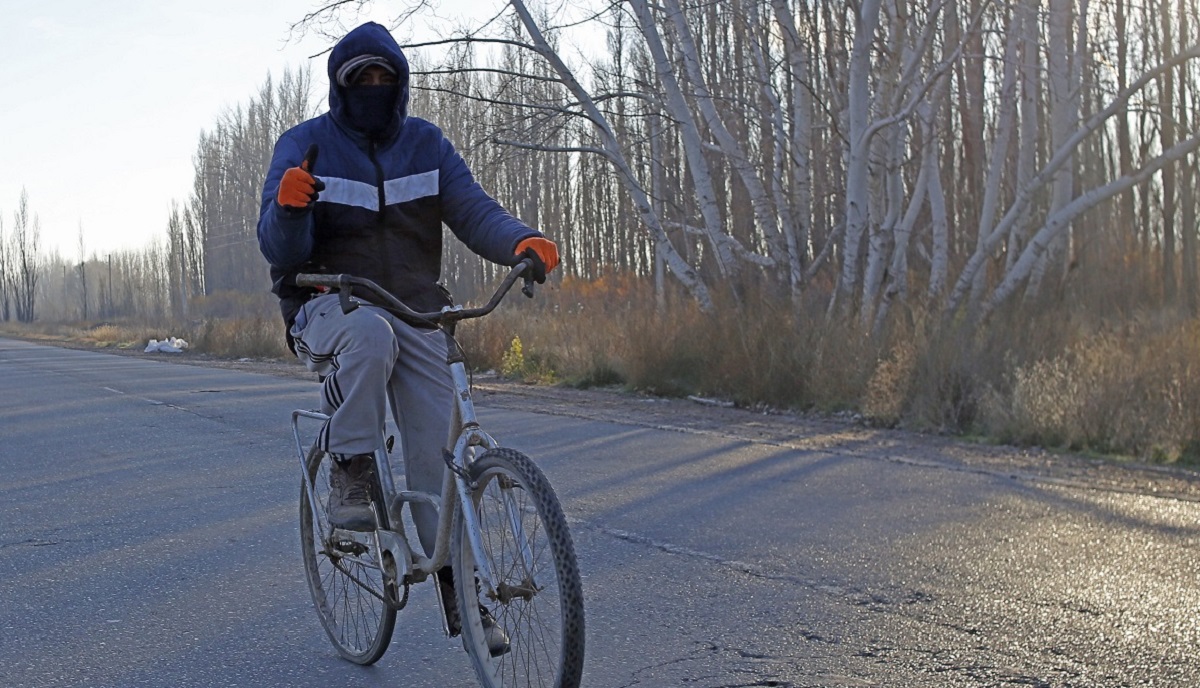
(544, 618)
(348, 594)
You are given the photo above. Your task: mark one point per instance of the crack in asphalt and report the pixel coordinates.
(31, 542)
(709, 649)
(856, 596)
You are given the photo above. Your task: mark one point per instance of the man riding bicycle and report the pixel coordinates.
(387, 183)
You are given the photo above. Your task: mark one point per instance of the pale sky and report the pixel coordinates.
(102, 103)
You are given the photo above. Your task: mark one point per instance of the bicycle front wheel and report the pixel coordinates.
(537, 603)
(344, 576)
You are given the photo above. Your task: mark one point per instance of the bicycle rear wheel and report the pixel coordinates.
(344, 576)
(538, 602)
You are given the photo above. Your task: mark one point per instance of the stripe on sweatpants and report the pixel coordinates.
(302, 347)
(330, 392)
(323, 438)
(339, 397)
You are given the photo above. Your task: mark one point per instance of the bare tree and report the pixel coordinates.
(81, 270)
(1190, 275)
(610, 149)
(229, 164)
(6, 276)
(178, 264)
(25, 247)
(1057, 223)
(1166, 104)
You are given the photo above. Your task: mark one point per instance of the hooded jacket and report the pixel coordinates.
(385, 200)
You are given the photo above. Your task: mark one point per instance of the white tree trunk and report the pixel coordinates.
(858, 105)
(897, 286)
(1064, 116)
(886, 243)
(1005, 124)
(800, 145)
(926, 190)
(764, 214)
(1059, 222)
(1029, 112)
(910, 46)
(939, 224)
(612, 151)
(693, 145)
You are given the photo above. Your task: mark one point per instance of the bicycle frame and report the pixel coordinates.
(466, 437)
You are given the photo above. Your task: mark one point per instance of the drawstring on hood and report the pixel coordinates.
(378, 112)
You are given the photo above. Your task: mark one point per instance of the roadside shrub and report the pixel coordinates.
(612, 331)
(532, 368)
(1131, 391)
(259, 337)
(888, 390)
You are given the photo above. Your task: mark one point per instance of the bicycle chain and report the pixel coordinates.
(399, 604)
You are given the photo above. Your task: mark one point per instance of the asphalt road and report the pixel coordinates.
(148, 537)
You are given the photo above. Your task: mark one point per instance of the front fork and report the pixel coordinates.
(467, 436)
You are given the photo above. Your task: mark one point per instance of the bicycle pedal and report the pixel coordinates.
(350, 547)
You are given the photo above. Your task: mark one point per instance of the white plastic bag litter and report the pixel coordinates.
(170, 345)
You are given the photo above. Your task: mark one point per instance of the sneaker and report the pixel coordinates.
(497, 640)
(349, 493)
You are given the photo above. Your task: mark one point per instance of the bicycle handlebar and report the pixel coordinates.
(450, 314)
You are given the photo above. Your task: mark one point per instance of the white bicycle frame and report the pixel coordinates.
(466, 436)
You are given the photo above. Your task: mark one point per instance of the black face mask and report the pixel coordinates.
(371, 108)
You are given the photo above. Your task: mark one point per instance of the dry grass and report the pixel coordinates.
(1053, 376)
(611, 332)
(1129, 391)
(258, 337)
(97, 335)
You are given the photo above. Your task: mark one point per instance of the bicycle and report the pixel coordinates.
(499, 524)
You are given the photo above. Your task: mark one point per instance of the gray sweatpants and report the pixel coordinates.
(370, 358)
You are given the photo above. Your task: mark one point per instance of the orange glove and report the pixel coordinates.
(543, 253)
(298, 189)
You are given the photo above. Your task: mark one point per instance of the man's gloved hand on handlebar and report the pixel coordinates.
(543, 253)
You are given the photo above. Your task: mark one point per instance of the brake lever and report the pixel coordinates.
(348, 306)
(527, 290)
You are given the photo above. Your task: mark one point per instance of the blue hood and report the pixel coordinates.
(368, 39)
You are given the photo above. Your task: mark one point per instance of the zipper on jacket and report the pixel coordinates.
(380, 236)
(378, 176)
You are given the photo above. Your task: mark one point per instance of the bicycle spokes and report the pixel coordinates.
(509, 498)
(346, 576)
(535, 599)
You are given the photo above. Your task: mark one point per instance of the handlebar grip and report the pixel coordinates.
(304, 279)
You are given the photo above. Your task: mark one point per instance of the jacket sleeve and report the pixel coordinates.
(476, 218)
(285, 237)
